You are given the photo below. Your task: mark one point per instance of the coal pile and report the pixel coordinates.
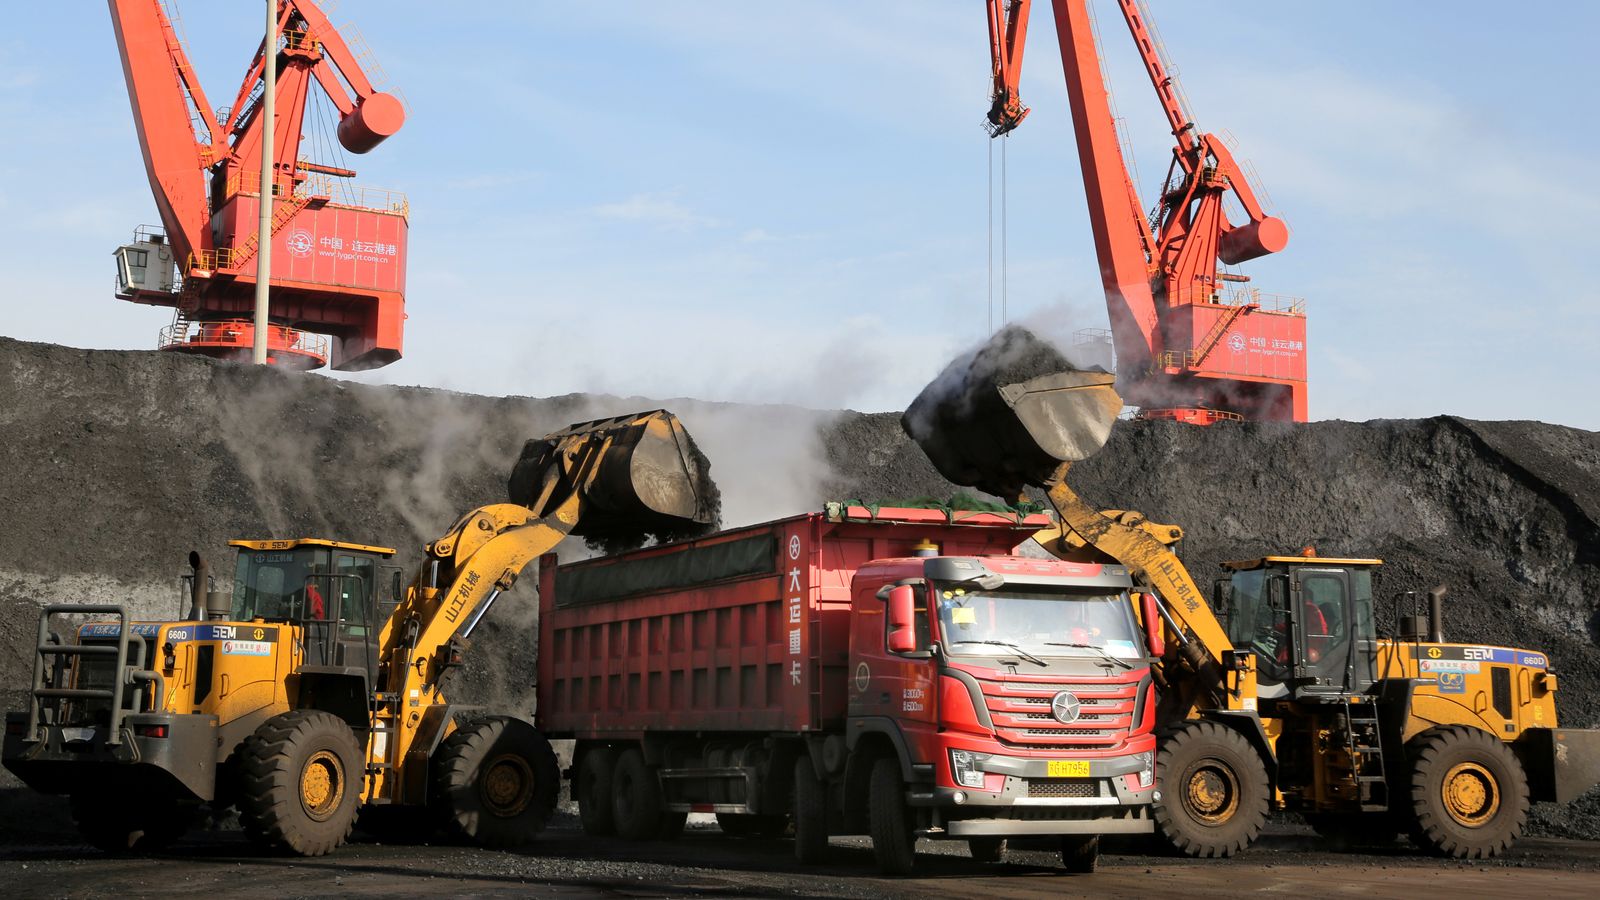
(115, 464)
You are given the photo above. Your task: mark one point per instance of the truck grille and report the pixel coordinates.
(1021, 713)
(1063, 787)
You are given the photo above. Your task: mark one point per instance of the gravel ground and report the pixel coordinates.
(704, 863)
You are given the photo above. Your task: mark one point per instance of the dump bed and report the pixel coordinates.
(743, 630)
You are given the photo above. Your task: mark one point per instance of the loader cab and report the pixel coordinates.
(336, 592)
(1307, 619)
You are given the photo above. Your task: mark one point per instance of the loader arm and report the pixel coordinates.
(631, 469)
(1226, 679)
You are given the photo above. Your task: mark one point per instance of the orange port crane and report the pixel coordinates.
(1193, 342)
(339, 252)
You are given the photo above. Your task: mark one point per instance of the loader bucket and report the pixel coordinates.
(1007, 415)
(639, 475)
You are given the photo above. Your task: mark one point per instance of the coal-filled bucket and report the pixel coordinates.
(639, 474)
(982, 426)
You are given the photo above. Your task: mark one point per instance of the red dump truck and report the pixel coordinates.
(891, 672)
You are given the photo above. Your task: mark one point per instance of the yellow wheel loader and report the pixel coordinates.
(1277, 691)
(311, 691)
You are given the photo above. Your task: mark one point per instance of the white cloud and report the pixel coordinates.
(660, 209)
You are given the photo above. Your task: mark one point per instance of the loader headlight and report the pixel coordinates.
(1147, 769)
(964, 767)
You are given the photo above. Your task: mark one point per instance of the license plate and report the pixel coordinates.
(1067, 768)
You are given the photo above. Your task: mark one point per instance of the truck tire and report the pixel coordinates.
(302, 777)
(1080, 853)
(119, 824)
(1214, 790)
(987, 849)
(495, 782)
(636, 804)
(894, 842)
(810, 813)
(593, 788)
(1469, 795)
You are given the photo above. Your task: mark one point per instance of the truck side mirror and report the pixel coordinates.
(902, 634)
(1151, 617)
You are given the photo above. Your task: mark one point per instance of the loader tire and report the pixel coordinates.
(810, 813)
(593, 788)
(1214, 790)
(1469, 795)
(894, 841)
(495, 782)
(302, 776)
(636, 803)
(124, 825)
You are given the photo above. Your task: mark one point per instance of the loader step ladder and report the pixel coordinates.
(1364, 743)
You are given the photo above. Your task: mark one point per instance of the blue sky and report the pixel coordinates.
(787, 202)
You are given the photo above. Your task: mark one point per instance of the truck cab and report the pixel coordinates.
(1017, 692)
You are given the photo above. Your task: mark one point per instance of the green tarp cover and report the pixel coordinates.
(596, 583)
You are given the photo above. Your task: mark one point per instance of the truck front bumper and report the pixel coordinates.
(1021, 798)
(67, 759)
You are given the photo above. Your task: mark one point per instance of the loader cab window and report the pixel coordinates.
(1335, 609)
(357, 576)
(1258, 620)
(281, 585)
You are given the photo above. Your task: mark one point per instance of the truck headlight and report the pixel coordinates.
(964, 767)
(1147, 769)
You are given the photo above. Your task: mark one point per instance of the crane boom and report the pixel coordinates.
(1186, 349)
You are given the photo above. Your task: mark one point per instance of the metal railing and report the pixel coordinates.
(240, 333)
(123, 674)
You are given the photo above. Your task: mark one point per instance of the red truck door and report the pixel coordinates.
(893, 685)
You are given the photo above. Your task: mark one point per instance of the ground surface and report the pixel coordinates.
(706, 863)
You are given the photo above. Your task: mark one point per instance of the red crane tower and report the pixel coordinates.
(1193, 342)
(338, 251)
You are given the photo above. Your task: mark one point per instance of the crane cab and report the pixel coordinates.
(1307, 619)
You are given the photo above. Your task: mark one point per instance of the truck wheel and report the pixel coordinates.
(1080, 854)
(495, 782)
(894, 842)
(1213, 788)
(302, 782)
(635, 797)
(1469, 796)
(810, 813)
(118, 824)
(987, 849)
(1342, 831)
(595, 771)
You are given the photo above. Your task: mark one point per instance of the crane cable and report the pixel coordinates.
(1004, 249)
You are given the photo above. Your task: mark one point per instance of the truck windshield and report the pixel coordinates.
(1039, 622)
